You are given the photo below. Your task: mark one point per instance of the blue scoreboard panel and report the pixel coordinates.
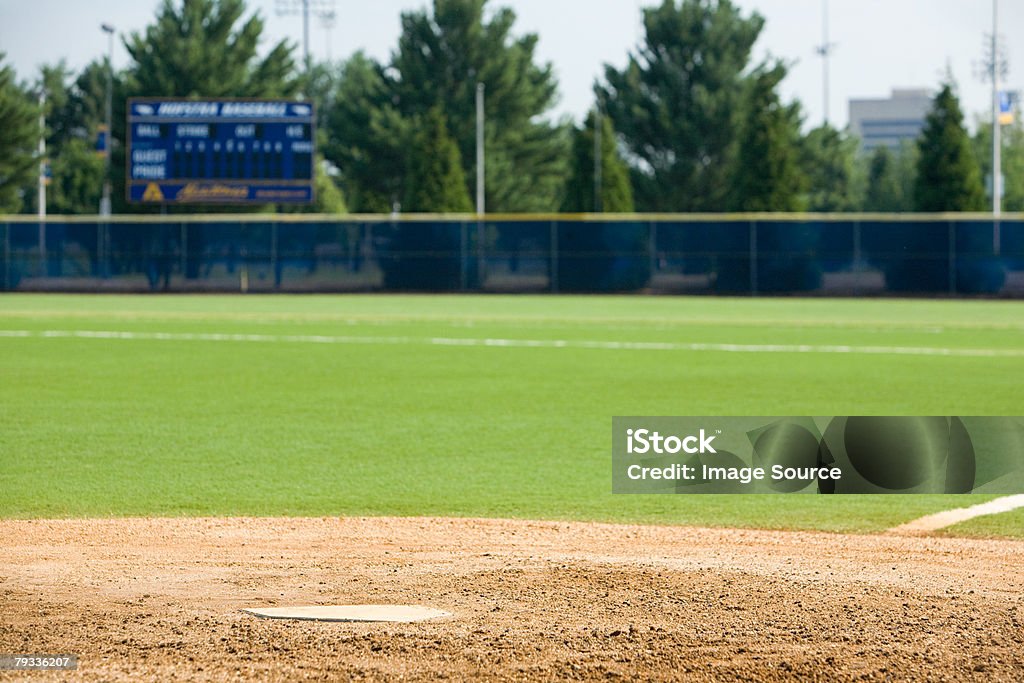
(220, 151)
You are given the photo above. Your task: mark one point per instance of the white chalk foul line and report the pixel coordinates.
(946, 518)
(521, 343)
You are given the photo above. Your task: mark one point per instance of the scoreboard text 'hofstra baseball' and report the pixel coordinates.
(220, 151)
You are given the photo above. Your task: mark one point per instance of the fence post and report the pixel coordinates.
(8, 280)
(42, 248)
(481, 266)
(104, 235)
(100, 247)
(652, 248)
(182, 249)
(274, 256)
(243, 257)
(952, 257)
(753, 258)
(554, 257)
(857, 267)
(463, 256)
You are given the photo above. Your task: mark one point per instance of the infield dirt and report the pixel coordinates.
(159, 599)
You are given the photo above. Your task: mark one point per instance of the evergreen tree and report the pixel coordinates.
(441, 56)
(677, 103)
(616, 191)
(767, 175)
(435, 182)
(198, 49)
(440, 59)
(366, 137)
(948, 177)
(19, 133)
(829, 161)
(884, 193)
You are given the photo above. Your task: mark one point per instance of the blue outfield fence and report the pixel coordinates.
(692, 254)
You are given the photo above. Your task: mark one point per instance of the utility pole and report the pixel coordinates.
(480, 187)
(42, 162)
(105, 207)
(598, 158)
(997, 146)
(305, 35)
(825, 52)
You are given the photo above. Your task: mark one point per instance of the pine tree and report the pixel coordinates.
(884, 193)
(435, 181)
(767, 175)
(366, 137)
(198, 49)
(616, 191)
(441, 56)
(677, 103)
(440, 59)
(19, 132)
(948, 177)
(828, 163)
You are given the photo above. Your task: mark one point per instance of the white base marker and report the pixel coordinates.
(368, 613)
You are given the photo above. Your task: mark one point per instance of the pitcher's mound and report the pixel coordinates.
(394, 613)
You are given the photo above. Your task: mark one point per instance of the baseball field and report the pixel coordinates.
(166, 461)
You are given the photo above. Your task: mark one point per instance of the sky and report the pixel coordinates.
(879, 44)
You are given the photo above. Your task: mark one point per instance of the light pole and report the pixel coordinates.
(42, 159)
(108, 137)
(825, 51)
(997, 162)
(480, 202)
(598, 158)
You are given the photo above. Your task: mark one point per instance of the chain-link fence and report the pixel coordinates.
(726, 254)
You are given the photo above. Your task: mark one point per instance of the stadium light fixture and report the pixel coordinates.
(324, 9)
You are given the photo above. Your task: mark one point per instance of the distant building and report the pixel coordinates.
(888, 122)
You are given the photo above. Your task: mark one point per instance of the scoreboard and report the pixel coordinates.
(220, 151)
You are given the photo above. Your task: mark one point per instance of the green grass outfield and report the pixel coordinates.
(388, 420)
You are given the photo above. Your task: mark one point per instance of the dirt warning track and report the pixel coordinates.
(160, 598)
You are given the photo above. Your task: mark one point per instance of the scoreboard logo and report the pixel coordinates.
(220, 151)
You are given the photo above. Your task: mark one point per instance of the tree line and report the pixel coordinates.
(691, 123)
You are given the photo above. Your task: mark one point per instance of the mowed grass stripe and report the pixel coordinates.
(923, 315)
(170, 427)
